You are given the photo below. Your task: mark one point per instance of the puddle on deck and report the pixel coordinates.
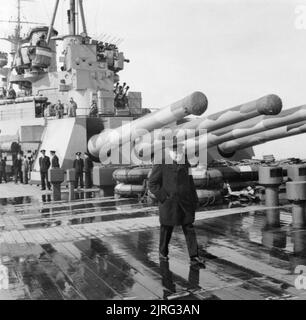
(247, 257)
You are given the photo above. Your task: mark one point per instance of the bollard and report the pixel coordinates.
(70, 177)
(296, 194)
(298, 258)
(296, 172)
(271, 178)
(56, 177)
(299, 243)
(103, 178)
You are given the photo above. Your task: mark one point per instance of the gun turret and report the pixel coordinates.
(101, 145)
(268, 105)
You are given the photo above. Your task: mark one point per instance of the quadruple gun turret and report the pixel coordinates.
(146, 136)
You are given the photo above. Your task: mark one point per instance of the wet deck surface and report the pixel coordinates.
(102, 248)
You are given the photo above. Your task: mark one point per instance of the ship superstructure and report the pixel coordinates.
(87, 72)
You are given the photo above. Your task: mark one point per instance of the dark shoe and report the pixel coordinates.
(162, 257)
(197, 261)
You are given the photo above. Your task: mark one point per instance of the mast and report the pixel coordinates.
(15, 39)
(18, 20)
(52, 22)
(72, 18)
(83, 16)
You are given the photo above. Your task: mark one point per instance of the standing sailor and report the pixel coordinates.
(88, 165)
(72, 108)
(59, 110)
(2, 169)
(17, 165)
(54, 160)
(78, 165)
(25, 169)
(44, 165)
(11, 93)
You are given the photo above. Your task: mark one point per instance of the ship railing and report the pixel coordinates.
(84, 114)
(15, 114)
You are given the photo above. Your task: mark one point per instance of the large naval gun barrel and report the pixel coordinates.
(227, 149)
(101, 144)
(267, 105)
(253, 126)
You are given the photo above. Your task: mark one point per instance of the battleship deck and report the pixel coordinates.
(105, 248)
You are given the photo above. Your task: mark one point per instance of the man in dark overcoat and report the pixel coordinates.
(17, 166)
(173, 186)
(54, 160)
(44, 165)
(88, 166)
(78, 165)
(3, 169)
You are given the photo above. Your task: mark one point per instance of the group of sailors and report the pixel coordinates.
(81, 166)
(59, 109)
(8, 94)
(22, 166)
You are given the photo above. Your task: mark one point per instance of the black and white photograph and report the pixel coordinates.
(153, 150)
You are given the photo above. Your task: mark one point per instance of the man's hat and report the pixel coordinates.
(43, 150)
(51, 151)
(86, 153)
(78, 153)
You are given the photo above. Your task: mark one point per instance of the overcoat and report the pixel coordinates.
(78, 165)
(17, 164)
(88, 165)
(2, 165)
(175, 191)
(44, 164)
(55, 162)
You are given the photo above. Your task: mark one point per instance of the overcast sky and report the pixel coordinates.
(234, 51)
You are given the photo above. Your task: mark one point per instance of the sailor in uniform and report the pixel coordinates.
(44, 165)
(78, 165)
(88, 165)
(54, 160)
(17, 165)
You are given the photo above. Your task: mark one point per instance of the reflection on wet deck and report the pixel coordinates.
(103, 248)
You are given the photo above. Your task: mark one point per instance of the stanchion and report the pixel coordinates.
(271, 178)
(56, 177)
(70, 177)
(296, 194)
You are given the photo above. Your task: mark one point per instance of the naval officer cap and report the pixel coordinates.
(52, 151)
(43, 150)
(78, 153)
